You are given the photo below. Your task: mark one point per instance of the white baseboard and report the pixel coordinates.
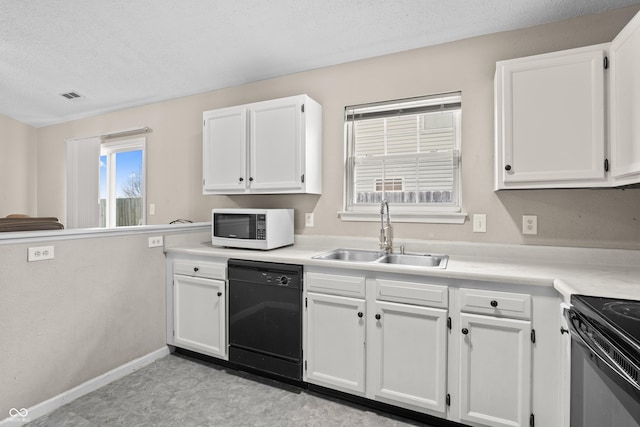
(50, 405)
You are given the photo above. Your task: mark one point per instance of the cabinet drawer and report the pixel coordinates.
(201, 269)
(503, 304)
(352, 286)
(412, 293)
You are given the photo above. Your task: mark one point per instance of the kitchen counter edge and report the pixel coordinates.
(615, 281)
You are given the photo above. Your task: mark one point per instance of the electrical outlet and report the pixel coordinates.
(39, 253)
(529, 224)
(308, 219)
(479, 223)
(155, 241)
(152, 208)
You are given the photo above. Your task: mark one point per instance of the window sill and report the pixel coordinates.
(417, 217)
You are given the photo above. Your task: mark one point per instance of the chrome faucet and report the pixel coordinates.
(386, 232)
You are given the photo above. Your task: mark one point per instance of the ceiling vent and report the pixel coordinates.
(71, 95)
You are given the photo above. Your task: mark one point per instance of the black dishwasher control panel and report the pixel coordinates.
(266, 273)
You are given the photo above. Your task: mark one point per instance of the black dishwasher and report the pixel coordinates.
(265, 317)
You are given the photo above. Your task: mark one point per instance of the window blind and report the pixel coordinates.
(82, 163)
(405, 152)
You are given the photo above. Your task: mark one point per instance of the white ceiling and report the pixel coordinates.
(123, 53)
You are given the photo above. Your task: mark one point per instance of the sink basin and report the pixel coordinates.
(435, 261)
(364, 255)
(353, 255)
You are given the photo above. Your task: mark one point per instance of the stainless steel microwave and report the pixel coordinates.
(252, 228)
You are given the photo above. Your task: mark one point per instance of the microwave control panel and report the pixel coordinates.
(261, 227)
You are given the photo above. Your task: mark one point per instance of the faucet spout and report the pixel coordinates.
(386, 233)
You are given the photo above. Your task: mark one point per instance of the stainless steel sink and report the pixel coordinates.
(434, 261)
(353, 255)
(364, 255)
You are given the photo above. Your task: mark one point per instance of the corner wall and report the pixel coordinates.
(18, 168)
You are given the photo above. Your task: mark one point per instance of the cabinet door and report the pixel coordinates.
(335, 342)
(199, 311)
(409, 352)
(276, 145)
(495, 370)
(550, 120)
(625, 104)
(224, 150)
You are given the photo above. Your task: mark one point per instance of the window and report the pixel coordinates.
(122, 183)
(407, 152)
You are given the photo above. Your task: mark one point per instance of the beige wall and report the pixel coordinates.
(18, 167)
(602, 218)
(99, 304)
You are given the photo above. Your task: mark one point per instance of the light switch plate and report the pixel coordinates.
(529, 224)
(479, 223)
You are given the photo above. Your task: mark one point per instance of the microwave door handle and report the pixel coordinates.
(584, 341)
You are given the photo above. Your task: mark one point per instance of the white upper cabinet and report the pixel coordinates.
(275, 145)
(266, 147)
(550, 120)
(224, 150)
(625, 104)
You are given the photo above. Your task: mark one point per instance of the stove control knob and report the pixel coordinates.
(284, 280)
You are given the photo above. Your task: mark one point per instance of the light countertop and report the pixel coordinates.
(599, 272)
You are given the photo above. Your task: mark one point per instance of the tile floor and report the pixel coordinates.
(180, 391)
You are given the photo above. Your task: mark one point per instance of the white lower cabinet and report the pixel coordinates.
(199, 315)
(495, 358)
(335, 342)
(380, 341)
(495, 370)
(198, 301)
(408, 351)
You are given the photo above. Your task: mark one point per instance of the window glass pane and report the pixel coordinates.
(406, 153)
(437, 132)
(401, 135)
(121, 183)
(370, 137)
(406, 181)
(128, 188)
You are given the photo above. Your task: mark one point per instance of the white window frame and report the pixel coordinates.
(110, 149)
(401, 212)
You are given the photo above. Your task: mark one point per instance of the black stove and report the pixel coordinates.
(605, 361)
(617, 319)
